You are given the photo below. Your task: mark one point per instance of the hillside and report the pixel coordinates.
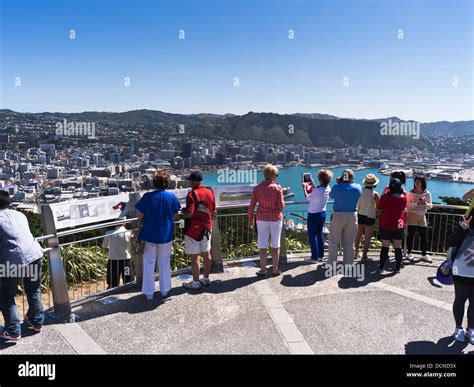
(299, 128)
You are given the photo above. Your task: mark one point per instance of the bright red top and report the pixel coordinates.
(206, 195)
(269, 196)
(392, 216)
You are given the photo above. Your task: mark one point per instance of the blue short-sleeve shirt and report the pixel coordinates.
(346, 196)
(159, 208)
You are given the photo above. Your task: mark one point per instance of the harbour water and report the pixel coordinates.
(291, 177)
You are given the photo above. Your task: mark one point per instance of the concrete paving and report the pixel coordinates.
(300, 312)
(49, 341)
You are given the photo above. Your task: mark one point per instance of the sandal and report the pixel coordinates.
(261, 273)
(276, 273)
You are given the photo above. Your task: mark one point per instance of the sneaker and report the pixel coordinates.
(459, 335)
(35, 327)
(5, 335)
(382, 270)
(205, 281)
(410, 257)
(193, 285)
(427, 259)
(470, 335)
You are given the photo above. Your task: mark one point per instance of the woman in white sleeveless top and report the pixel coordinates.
(366, 214)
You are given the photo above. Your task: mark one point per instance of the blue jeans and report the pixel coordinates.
(315, 234)
(8, 290)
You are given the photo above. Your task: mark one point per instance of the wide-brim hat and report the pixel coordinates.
(445, 267)
(370, 180)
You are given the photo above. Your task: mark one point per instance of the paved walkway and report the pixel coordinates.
(300, 312)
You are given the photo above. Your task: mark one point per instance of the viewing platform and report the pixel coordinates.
(305, 310)
(299, 312)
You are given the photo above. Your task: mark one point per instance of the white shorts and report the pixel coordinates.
(269, 229)
(195, 247)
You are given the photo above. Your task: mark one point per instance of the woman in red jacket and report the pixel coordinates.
(392, 222)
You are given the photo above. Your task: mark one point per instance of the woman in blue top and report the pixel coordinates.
(157, 210)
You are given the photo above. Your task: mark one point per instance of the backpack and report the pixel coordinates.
(196, 227)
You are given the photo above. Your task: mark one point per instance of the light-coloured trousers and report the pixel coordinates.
(343, 230)
(269, 229)
(152, 252)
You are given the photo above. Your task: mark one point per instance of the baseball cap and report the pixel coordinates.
(444, 273)
(195, 176)
(395, 186)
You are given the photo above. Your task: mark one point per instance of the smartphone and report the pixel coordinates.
(306, 177)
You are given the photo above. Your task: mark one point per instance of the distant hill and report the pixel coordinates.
(317, 116)
(299, 128)
(460, 128)
(286, 128)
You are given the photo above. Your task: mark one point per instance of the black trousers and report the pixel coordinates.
(462, 293)
(116, 269)
(422, 231)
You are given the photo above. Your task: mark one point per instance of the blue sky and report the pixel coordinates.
(411, 77)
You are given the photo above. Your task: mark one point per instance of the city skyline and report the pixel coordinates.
(351, 59)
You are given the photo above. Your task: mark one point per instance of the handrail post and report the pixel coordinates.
(58, 283)
(283, 256)
(132, 213)
(216, 252)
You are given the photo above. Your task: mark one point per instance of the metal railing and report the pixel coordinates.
(85, 259)
(241, 240)
(87, 276)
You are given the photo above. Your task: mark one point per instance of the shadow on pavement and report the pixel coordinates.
(444, 346)
(371, 274)
(25, 332)
(229, 285)
(138, 303)
(434, 284)
(132, 305)
(305, 279)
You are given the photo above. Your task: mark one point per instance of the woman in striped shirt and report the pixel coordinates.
(269, 196)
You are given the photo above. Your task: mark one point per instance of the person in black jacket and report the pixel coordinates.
(462, 243)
